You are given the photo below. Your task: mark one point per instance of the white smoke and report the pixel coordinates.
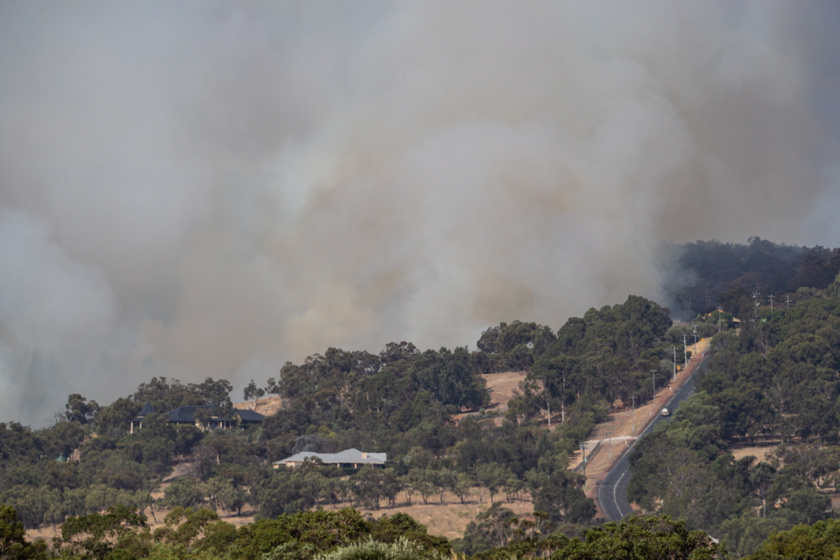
(211, 188)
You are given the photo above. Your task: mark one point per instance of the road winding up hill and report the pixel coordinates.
(607, 468)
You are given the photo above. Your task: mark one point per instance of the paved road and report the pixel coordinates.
(612, 493)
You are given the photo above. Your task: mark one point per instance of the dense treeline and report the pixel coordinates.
(777, 378)
(120, 533)
(728, 274)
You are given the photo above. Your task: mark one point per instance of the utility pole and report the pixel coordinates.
(653, 377)
(771, 303)
(583, 450)
(695, 338)
(756, 303)
(787, 301)
(674, 378)
(685, 354)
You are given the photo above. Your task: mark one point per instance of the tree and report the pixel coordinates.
(13, 544)
(402, 549)
(184, 492)
(821, 540)
(491, 528)
(115, 418)
(184, 525)
(492, 476)
(61, 439)
(231, 497)
(98, 534)
(643, 538)
(558, 492)
(253, 392)
(79, 409)
(555, 375)
(214, 393)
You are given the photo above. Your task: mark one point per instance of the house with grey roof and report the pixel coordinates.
(349, 458)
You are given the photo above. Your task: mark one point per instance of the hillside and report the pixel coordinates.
(462, 430)
(760, 434)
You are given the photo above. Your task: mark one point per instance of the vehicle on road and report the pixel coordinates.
(665, 412)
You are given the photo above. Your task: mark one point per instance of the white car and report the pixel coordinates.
(665, 412)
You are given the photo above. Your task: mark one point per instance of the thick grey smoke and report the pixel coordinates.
(196, 189)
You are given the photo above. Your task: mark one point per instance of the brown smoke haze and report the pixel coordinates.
(195, 189)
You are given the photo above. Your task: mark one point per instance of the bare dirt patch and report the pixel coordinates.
(502, 387)
(266, 406)
(760, 452)
(450, 518)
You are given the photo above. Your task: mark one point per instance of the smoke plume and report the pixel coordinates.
(198, 189)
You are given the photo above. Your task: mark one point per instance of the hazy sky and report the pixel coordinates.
(196, 189)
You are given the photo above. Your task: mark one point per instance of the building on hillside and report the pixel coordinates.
(137, 421)
(208, 420)
(244, 417)
(202, 416)
(349, 458)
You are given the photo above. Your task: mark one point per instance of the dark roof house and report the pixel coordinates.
(245, 417)
(137, 421)
(202, 416)
(192, 414)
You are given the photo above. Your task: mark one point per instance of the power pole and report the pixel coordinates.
(653, 377)
(787, 301)
(583, 450)
(756, 303)
(674, 378)
(771, 303)
(685, 354)
(695, 338)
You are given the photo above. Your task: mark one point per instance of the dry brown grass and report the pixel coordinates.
(760, 452)
(448, 519)
(265, 405)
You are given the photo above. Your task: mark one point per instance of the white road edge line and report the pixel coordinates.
(615, 496)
